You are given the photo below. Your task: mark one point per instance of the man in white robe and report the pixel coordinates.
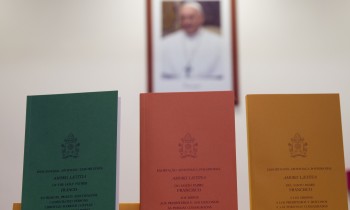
(191, 52)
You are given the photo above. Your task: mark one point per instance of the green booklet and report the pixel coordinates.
(70, 157)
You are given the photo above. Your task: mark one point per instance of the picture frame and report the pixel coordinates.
(176, 63)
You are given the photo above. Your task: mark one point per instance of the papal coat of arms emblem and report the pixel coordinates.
(70, 147)
(297, 146)
(188, 147)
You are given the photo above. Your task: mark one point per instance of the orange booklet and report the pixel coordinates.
(188, 151)
(296, 159)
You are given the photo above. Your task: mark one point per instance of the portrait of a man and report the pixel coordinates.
(192, 48)
(192, 51)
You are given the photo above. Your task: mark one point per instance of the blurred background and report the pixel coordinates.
(65, 46)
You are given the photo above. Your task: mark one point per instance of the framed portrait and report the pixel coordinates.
(192, 46)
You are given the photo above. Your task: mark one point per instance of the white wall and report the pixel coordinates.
(57, 46)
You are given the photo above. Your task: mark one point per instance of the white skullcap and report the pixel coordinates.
(193, 4)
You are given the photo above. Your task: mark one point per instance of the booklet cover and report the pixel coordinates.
(188, 151)
(70, 157)
(296, 158)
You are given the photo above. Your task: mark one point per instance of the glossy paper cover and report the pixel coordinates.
(188, 151)
(70, 152)
(296, 158)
